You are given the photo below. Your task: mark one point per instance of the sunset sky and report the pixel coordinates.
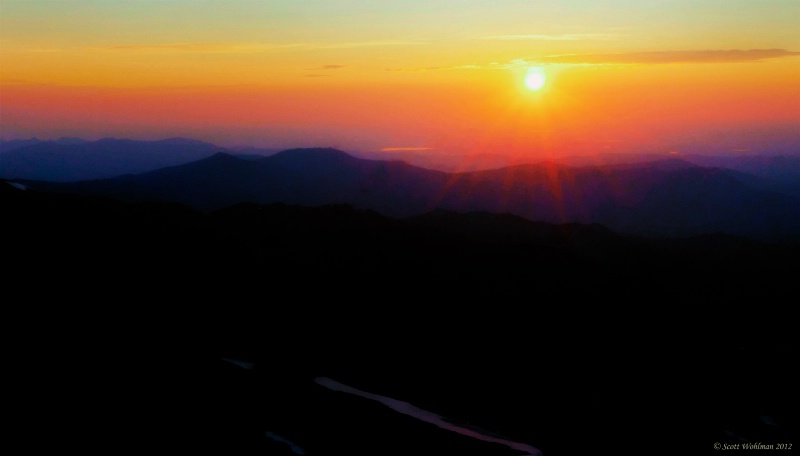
(366, 75)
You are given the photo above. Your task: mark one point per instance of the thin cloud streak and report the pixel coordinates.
(201, 48)
(327, 67)
(367, 44)
(516, 63)
(657, 57)
(653, 57)
(420, 69)
(242, 48)
(555, 37)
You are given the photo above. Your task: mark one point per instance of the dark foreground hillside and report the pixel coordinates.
(155, 326)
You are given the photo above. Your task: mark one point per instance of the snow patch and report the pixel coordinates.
(295, 449)
(239, 363)
(428, 417)
(18, 186)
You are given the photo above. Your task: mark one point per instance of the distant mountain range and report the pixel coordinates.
(61, 161)
(73, 159)
(668, 197)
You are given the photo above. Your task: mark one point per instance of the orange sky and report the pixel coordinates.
(446, 76)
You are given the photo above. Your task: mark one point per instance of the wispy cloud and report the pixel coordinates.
(471, 66)
(652, 57)
(405, 149)
(43, 50)
(655, 57)
(327, 67)
(243, 48)
(418, 69)
(201, 48)
(367, 44)
(556, 37)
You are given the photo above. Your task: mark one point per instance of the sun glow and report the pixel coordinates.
(535, 79)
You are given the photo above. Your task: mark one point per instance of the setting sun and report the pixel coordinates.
(535, 79)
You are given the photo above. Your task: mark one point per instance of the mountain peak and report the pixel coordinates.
(312, 158)
(70, 141)
(314, 152)
(673, 164)
(178, 141)
(222, 157)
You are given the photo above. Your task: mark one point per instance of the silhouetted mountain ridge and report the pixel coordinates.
(312, 156)
(664, 198)
(72, 159)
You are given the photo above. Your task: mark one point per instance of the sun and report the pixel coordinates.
(535, 78)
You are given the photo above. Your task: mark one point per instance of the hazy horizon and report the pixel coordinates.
(533, 80)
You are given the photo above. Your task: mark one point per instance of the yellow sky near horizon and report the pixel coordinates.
(445, 75)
